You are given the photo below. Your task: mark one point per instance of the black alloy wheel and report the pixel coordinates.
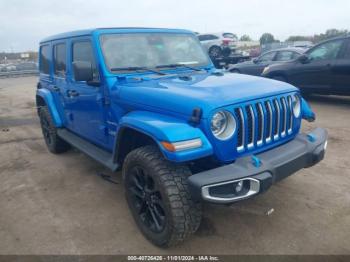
(147, 199)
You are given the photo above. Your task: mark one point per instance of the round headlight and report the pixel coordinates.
(223, 125)
(296, 106)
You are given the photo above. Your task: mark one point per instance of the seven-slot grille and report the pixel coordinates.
(263, 121)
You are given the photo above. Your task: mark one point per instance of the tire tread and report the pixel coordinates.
(185, 213)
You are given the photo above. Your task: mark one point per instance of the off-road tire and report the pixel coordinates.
(54, 143)
(182, 215)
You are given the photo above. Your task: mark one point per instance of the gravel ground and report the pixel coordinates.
(57, 204)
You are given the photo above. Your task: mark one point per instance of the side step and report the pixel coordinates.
(86, 147)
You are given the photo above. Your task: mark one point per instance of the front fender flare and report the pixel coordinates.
(49, 101)
(306, 111)
(165, 128)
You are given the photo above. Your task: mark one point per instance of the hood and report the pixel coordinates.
(207, 91)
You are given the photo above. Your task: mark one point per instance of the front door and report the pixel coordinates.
(341, 71)
(316, 73)
(86, 101)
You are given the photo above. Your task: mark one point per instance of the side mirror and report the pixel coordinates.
(82, 71)
(256, 60)
(303, 59)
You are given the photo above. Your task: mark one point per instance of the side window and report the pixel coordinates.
(284, 56)
(82, 51)
(267, 57)
(212, 37)
(296, 55)
(45, 59)
(202, 37)
(326, 51)
(59, 57)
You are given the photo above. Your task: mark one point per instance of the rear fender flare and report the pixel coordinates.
(49, 101)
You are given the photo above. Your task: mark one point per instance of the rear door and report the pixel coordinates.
(316, 74)
(47, 80)
(86, 101)
(59, 87)
(341, 70)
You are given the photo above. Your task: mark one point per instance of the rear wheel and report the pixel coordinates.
(53, 142)
(215, 52)
(158, 196)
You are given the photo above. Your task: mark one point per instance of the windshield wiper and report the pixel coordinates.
(137, 69)
(179, 65)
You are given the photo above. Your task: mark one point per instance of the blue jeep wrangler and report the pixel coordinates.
(150, 102)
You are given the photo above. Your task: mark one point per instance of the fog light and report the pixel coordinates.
(239, 186)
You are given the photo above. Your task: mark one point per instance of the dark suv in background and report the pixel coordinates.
(323, 69)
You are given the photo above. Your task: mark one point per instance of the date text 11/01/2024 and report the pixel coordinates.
(174, 258)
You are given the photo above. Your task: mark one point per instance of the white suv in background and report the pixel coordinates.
(218, 44)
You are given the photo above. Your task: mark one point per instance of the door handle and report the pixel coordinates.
(72, 93)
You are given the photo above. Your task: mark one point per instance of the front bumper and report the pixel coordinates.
(251, 175)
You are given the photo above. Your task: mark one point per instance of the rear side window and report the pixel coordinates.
(82, 51)
(202, 37)
(45, 59)
(207, 37)
(60, 60)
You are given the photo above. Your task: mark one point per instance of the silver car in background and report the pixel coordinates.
(218, 44)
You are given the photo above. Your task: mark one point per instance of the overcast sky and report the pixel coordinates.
(24, 23)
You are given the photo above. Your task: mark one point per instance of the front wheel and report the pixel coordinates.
(159, 198)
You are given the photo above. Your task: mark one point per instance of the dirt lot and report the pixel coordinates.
(57, 204)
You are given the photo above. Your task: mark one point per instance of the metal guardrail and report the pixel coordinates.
(18, 73)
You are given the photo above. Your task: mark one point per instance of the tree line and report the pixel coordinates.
(268, 38)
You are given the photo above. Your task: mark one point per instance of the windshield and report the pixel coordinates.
(150, 50)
